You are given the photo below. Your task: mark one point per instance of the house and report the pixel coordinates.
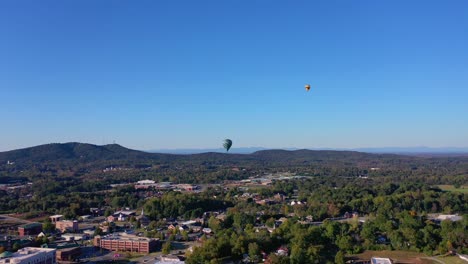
(282, 251)
(184, 228)
(172, 226)
(121, 216)
(111, 218)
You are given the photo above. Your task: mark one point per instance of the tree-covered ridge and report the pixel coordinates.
(78, 159)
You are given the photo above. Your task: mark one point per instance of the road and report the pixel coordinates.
(4, 217)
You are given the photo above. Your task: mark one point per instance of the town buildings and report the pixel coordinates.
(31, 229)
(30, 255)
(55, 218)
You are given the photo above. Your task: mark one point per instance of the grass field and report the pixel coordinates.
(450, 188)
(451, 260)
(397, 255)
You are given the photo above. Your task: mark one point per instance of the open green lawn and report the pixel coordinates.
(463, 188)
(452, 260)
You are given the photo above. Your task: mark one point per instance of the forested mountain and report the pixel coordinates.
(78, 159)
(83, 153)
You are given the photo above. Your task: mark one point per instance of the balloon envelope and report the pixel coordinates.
(227, 144)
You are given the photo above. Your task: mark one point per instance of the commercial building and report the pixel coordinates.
(68, 254)
(30, 255)
(31, 229)
(126, 243)
(67, 226)
(55, 218)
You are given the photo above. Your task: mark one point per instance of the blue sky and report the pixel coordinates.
(187, 74)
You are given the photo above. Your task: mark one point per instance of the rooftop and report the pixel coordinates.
(125, 236)
(26, 253)
(31, 225)
(375, 260)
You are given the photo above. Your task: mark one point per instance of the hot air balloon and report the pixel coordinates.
(307, 87)
(227, 144)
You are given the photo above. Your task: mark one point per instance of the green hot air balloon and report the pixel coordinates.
(227, 144)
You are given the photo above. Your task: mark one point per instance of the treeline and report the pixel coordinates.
(395, 217)
(330, 242)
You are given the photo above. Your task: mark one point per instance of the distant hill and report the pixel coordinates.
(201, 150)
(69, 151)
(88, 157)
(382, 150)
(87, 153)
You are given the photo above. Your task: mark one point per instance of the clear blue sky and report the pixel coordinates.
(187, 74)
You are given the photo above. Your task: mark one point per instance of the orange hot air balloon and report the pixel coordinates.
(307, 87)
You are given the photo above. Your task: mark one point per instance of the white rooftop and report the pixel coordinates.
(380, 261)
(450, 217)
(27, 253)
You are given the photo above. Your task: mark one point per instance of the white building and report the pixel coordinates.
(452, 218)
(31, 255)
(375, 260)
(146, 182)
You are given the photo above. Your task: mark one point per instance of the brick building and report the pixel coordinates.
(68, 254)
(31, 229)
(67, 226)
(126, 243)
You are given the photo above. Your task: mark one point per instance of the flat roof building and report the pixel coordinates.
(31, 229)
(31, 255)
(67, 226)
(126, 243)
(55, 218)
(375, 260)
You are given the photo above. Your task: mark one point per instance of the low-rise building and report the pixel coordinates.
(75, 237)
(376, 260)
(31, 229)
(31, 255)
(67, 226)
(55, 218)
(68, 254)
(126, 243)
(452, 218)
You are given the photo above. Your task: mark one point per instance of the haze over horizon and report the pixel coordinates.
(188, 74)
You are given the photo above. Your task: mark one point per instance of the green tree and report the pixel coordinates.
(254, 252)
(339, 258)
(48, 226)
(166, 248)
